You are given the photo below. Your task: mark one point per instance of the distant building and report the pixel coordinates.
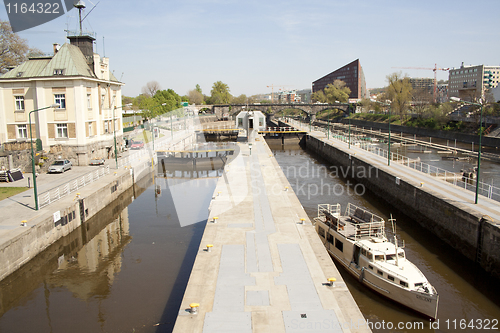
(422, 83)
(288, 96)
(470, 82)
(353, 76)
(305, 95)
(81, 82)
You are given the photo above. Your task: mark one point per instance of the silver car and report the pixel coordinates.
(60, 166)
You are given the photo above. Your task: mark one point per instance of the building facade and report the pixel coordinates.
(471, 82)
(353, 76)
(89, 115)
(422, 83)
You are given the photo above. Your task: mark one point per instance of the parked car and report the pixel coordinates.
(98, 161)
(60, 166)
(136, 145)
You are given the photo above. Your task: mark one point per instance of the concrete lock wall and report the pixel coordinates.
(455, 224)
(44, 231)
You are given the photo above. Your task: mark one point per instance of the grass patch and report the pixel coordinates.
(6, 192)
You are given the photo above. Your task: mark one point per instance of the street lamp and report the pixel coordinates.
(33, 153)
(152, 127)
(389, 144)
(456, 99)
(114, 131)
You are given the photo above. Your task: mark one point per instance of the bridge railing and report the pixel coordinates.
(457, 179)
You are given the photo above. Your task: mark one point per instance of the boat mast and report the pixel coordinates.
(395, 239)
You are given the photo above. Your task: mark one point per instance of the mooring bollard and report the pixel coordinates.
(215, 219)
(24, 223)
(331, 282)
(209, 247)
(302, 220)
(194, 308)
(286, 188)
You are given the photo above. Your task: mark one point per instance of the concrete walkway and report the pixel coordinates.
(267, 271)
(456, 195)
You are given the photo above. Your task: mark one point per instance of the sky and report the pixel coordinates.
(255, 44)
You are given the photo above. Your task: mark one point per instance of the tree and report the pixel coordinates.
(151, 88)
(220, 93)
(195, 97)
(337, 92)
(334, 92)
(198, 89)
(13, 49)
(399, 92)
(241, 99)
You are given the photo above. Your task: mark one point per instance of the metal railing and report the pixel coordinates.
(52, 195)
(457, 179)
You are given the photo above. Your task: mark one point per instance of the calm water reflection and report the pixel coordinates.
(124, 271)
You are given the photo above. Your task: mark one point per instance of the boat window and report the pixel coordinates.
(369, 255)
(379, 257)
(363, 252)
(321, 232)
(370, 267)
(419, 284)
(339, 245)
(390, 277)
(404, 284)
(401, 254)
(390, 256)
(379, 272)
(329, 237)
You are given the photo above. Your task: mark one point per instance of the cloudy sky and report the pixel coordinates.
(252, 44)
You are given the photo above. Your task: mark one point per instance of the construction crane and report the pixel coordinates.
(435, 69)
(272, 90)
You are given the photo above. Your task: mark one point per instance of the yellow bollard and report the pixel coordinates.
(194, 308)
(209, 247)
(302, 220)
(331, 281)
(215, 219)
(24, 223)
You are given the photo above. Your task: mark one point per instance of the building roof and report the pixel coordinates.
(69, 59)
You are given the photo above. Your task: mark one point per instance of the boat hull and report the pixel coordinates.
(420, 302)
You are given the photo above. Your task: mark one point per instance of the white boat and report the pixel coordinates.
(358, 242)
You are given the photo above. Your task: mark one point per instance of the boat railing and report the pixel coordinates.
(365, 223)
(325, 209)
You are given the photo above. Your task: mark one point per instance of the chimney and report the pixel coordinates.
(56, 47)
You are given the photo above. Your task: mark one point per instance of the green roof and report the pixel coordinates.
(68, 61)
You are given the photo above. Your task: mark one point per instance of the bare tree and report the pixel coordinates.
(195, 97)
(13, 49)
(151, 88)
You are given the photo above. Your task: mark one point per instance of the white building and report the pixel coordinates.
(89, 96)
(471, 82)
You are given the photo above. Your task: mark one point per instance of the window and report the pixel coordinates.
(19, 103)
(61, 100)
(329, 238)
(89, 103)
(339, 245)
(379, 272)
(106, 130)
(370, 267)
(390, 277)
(379, 257)
(90, 129)
(22, 132)
(321, 232)
(404, 284)
(61, 130)
(58, 71)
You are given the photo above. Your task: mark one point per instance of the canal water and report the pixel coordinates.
(465, 292)
(124, 271)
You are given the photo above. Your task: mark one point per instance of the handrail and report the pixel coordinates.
(457, 179)
(56, 193)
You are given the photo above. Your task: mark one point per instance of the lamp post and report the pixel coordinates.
(389, 144)
(114, 131)
(152, 126)
(33, 153)
(349, 111)
(456, 99)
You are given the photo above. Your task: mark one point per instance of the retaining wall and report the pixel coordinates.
(44, 231)
(462, 228)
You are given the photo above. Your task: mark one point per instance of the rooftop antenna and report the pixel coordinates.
(80, 5)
